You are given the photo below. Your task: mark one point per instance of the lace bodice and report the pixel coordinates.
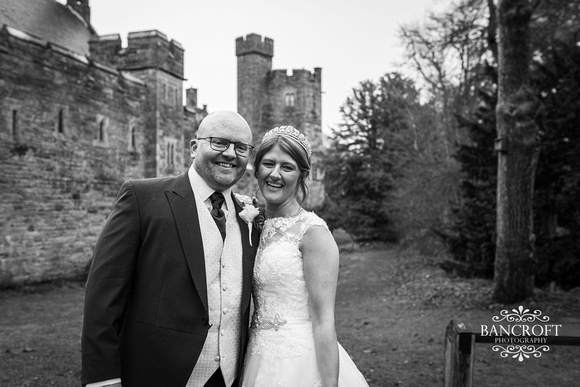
(279, 288)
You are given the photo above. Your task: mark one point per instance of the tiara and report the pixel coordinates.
(293, 133)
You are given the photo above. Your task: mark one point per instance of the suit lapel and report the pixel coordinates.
(248, 252)
(182, 203)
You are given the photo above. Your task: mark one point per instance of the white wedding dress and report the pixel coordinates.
(281, 347)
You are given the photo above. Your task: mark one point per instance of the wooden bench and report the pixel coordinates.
(461, 337)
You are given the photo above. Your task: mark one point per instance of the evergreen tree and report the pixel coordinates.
(360, 165)
(557, 77)
(472, 241)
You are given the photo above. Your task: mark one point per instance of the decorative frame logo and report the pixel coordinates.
(523, 339)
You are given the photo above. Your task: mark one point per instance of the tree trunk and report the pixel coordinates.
(517, 147)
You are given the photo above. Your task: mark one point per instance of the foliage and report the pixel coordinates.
(361, 165)
(472, 240)
(428, 179)
(556, 75)
(557, 215)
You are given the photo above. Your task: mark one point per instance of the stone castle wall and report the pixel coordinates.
(72, 129)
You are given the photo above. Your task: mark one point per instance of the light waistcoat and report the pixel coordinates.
(223, 268)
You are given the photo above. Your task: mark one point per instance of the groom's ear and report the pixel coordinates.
(192, 148)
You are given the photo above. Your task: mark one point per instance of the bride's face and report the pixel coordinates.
(278, 175)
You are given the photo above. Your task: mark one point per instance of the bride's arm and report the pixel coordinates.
(320, 256)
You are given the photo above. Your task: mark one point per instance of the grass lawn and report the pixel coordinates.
(392, 309)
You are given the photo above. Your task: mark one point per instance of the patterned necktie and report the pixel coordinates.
(217, 199)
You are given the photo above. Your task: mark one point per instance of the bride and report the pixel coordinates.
(292, 334)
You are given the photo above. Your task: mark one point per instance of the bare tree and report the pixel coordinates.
(445, 51)
(517, 146)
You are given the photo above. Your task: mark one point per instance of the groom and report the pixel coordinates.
(168, 295)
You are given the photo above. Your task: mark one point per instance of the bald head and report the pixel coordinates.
(221, 120)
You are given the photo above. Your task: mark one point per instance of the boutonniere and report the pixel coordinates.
(249, 213)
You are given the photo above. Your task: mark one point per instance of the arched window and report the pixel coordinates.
(102, 130)
(60, 124)
(290, 99)
(132, 142)
(15, 127)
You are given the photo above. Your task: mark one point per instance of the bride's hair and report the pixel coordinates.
(298, 154)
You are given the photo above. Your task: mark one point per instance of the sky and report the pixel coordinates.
(352, 41)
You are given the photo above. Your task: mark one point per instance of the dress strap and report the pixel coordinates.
(310, 219)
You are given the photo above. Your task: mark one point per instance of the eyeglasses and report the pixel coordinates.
(221, 145)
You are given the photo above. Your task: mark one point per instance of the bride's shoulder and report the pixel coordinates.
(316, 235)
(309, 219)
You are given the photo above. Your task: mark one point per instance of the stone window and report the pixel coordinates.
(318, 173)
(177, 99)
(132, 140)
(102, 135)
(163, 92)
(170, 155)
(60, 122)
(290, 100)
(15, 125)
(102, 130)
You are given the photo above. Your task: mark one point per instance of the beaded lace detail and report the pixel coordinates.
(281, 324)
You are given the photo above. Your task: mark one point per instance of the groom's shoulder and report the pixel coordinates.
(147, 185)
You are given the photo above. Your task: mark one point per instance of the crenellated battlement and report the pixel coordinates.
(297, 75)
(254, 44)
(53, 53)
(145, 49)
(106, 48)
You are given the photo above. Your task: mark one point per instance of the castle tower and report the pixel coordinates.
(268, 98)
(82, 8)
(158, 62)
(254, 64)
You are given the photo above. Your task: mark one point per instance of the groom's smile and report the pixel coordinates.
(225, 165)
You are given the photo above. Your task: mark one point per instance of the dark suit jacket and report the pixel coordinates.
(146, 312)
